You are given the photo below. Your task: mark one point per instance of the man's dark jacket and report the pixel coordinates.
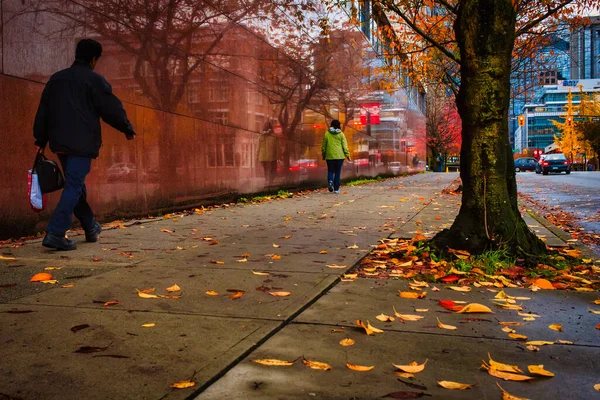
(68, 116)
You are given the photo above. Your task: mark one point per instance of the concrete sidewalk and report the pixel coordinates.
(212, 339)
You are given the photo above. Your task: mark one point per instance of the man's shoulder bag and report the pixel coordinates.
(49, 175)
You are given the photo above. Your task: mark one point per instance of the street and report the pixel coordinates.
(572, 199)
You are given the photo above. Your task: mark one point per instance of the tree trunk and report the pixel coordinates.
(488, 217)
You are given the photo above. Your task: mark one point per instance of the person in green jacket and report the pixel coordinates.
(334, 150)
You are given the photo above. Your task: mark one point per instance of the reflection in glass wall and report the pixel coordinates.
(226, 97)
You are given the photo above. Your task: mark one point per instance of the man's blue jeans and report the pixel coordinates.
(334, 170)
(73, 198)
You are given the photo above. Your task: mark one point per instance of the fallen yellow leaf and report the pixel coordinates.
(354, 246)
(146, 295)
(539, 370)
(217, 262)
(316, 365)
(404, 375)
(360, 368)
(508, 323)
(166, 230)
(505, 375)
(421, 309)
(280, 294)
(503, 367)
(323, 252)
(111, 303)
(362, 325)
(596, 301)
(236, 295)
(174, 288)
(454, 385)
(460, 288)
(273, 362)
(508, 330)
(242, 260)
(508, 396)
(183, 384)
(384, 318)
(406, 317)
(584, 289)
(411, 368)
(539, 343)
(444, 326)
(517, 336)
(597, 387)
(52, 268)
(556, 327)
(42, 276)
(528, 315)
(211, 293)
(67, 285)
(372, 328)
(412, 295)
(260, 273)
(336, 266)
(594, 312)
(543, 284)
(474, 308)
(347, 342)
(148, 325)
(7, 258)
(275, 257)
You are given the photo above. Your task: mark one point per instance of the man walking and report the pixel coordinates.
(68, 117)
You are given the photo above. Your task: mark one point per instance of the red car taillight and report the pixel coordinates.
(566, 163)
(545, 163)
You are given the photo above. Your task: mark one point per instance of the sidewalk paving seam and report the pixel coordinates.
(272, 333)
(442, 334)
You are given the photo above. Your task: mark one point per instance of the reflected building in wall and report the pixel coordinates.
(199, 90)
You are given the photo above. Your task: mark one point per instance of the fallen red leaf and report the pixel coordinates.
(449, 278)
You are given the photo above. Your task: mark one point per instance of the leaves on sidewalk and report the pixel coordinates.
(271, 362)
(539, 370)
(42, 276)
(454, 385)
(183, 384)
(412, 368)
(347, 342)
(359, 368)
(316, 365)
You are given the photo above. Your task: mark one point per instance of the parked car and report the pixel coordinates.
(525, 164)
(555, 163)
(394, 167)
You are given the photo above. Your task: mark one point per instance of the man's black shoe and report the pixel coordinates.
(58, 242)
(93, 235)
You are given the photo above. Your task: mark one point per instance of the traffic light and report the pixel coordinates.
(569, 121)
(521, 120)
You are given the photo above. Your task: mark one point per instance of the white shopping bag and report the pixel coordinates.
(37, 200)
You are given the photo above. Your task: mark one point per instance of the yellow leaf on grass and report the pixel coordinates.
(336, 266)
(460, 288)
(271, 362)
(412, 368)
(454, 385)
(347, 342)
(543, 284)
(148, 325)
(517, 336)
(539, 370)
(503, 367)
(505, 375)
(146, 295)
(316, 365)
(508, 396)
(372, 328)
(444, 326)
(362, 325)
(174, 288)
(183, 384)
(211, 293)
(385, 318)
(474, 308)
(360, 368)
(556, 327)
(280, 294)
(539, 343)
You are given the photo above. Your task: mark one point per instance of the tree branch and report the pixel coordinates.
(525, 28)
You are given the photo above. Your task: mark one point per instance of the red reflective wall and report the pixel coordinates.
(223, 99)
